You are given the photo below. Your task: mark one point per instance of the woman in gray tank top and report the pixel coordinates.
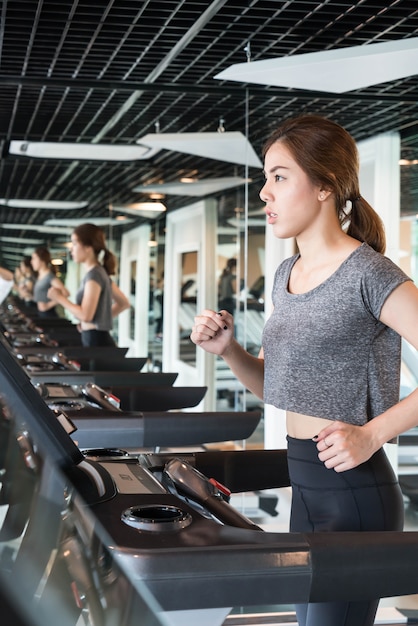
(98, 299)
(332, 346)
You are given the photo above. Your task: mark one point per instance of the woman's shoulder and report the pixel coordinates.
(369, 259)
(96, 270)
(98, 274)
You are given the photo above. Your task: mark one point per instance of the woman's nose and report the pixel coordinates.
(264, 197)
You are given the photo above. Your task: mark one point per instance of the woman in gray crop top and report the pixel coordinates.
(45, 279)
(98, 299)
(332, 346)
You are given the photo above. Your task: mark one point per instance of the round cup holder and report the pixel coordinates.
(40, 367)
(62, 405)
(158, 518)
(102, 454)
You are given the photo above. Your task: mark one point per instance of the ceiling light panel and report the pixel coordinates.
(197, 188)
(20, 239)
(98, 221)
(80, 151)
(232, 147)
(335, 71)
(43, 204)
(156, 207)
(40, 228)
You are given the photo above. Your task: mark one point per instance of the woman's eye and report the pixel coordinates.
(278, 178)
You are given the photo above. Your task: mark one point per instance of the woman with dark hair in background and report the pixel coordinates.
(331, 349)
(227, 287)
(25, 282)
(6, 283)
(98, 299)
(46, 278)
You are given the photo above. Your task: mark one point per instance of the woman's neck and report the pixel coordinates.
(319, 250)
(88, 265)
(43, 271)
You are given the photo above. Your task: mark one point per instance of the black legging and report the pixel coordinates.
(51, 313)
(95, 337)
(366, 498)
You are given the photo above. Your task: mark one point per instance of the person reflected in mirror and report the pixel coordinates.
(227, 286)
(6, 283)
(25, 278)
(46, 279)
(158, 302)
(98, 300)
(331, 348)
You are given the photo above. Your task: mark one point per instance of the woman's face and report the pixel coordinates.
(35, 262)
(292, 200)
(78, 251)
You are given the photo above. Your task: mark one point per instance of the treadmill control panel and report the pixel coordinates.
(132, 478)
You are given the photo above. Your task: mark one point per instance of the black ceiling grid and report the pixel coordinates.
(114, 71)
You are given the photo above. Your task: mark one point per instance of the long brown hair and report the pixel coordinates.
(328, 155)
(94, 237)
(44, 255)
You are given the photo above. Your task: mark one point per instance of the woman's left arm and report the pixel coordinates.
(346, 445)
(120, 301)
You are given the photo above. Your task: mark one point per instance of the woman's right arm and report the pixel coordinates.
(120, 301)
(58, 284)
(214, 332)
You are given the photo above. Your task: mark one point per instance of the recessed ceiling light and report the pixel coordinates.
(408, 161)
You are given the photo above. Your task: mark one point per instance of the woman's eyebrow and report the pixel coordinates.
(274, 169)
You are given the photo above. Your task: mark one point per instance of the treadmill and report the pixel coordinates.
(167, 526)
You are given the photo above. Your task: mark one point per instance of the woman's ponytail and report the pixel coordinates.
(366, 225)
(109, 262)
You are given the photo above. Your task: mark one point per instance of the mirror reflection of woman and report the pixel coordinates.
(46, 279)
(98, 299)
(25, 281)
(227, 287)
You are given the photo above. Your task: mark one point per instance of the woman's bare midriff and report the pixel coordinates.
(87, 326)
(304, 426)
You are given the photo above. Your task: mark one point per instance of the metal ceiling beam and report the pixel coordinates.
(106, 85)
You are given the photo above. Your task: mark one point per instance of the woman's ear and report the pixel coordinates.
(324, 194)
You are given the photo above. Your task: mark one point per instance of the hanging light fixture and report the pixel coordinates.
(81, 151)
(67, 205)
(140, 208)
(333, 71)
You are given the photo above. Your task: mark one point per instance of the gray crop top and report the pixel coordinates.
(326, 352)
(103, 315)
(41, 286)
